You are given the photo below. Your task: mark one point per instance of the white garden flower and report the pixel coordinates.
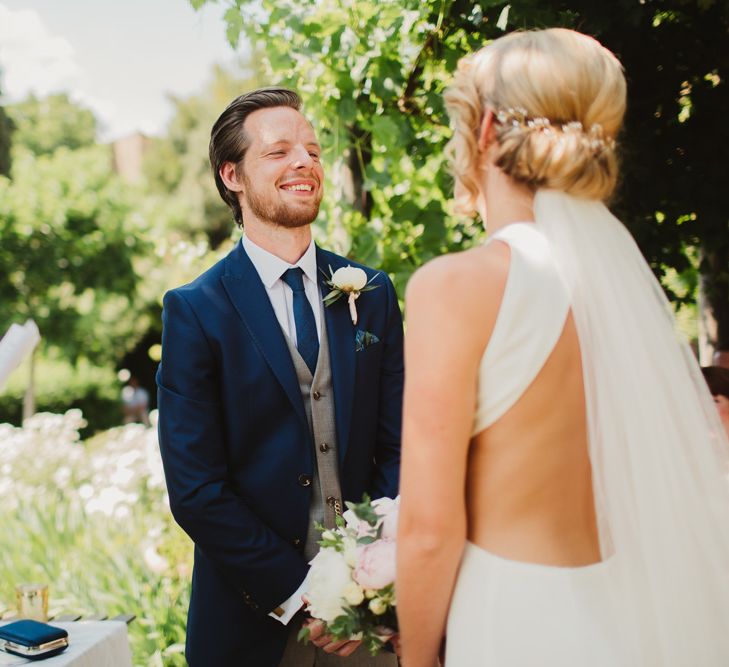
(349, 279)
(156, 563)
(328, 578)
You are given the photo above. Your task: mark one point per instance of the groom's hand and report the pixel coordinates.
(325, 642)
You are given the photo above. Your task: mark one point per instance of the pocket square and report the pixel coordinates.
(363, 339)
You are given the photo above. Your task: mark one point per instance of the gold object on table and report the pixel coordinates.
(32, 601)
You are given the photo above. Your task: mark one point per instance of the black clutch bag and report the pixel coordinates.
(32, 640)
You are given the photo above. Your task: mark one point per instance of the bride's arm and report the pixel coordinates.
(451, 306)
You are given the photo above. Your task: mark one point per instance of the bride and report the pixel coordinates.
(564, 491)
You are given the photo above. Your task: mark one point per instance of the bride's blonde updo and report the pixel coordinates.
(558, 97)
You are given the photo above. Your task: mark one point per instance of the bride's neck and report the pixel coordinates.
(504, 200)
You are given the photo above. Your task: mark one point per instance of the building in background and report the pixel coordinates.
(128, 155)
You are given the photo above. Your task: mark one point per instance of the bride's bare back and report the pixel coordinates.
(528, 483)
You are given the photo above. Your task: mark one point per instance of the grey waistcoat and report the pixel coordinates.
(318, 398)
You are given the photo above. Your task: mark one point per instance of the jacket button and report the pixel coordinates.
(305, 480)
(324, 448)
(296, 542)
(316, 395)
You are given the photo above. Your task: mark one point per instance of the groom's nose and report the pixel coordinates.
(301, 158)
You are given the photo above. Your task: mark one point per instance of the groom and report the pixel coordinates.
(273, 409)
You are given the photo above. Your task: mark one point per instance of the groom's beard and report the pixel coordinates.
(277, 212)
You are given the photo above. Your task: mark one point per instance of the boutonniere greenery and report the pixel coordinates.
(348, 280)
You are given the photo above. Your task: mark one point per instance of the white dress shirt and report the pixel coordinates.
(270, 269)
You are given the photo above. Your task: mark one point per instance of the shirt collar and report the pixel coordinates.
(270, 267)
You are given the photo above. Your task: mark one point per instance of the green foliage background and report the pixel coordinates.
(372, 75)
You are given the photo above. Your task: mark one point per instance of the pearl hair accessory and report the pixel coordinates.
(518, 117)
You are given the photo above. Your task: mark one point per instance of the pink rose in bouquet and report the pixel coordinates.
(376, 564)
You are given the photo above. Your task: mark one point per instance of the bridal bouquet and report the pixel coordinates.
(352, 578)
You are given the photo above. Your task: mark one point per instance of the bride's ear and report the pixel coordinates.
(486, 132)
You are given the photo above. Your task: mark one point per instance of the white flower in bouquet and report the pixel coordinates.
(328, 579)
(353, 593)
(384, 506)
(378, 606)
(388, 509)
(349, 549)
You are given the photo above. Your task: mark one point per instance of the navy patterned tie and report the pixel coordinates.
(307, 340)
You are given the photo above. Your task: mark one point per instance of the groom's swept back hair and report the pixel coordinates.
(228, 140)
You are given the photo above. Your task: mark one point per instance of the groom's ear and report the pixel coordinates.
(486, 132)
(229, 175)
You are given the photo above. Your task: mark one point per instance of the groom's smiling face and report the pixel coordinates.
(282, 176)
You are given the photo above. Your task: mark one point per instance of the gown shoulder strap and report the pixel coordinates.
(530, 321)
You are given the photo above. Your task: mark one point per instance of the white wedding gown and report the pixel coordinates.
(506, 612)
(659, 459)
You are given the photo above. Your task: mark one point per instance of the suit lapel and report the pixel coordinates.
(247, 293)
(340, 333)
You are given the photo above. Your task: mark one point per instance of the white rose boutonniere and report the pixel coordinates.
(351, 281)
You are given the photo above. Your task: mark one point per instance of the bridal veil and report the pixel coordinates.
(660, 458)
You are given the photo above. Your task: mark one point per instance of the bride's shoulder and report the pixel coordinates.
(466, 285)
(466, 270)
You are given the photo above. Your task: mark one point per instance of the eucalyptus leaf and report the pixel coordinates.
(332, 297)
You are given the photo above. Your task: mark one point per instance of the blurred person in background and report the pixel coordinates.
(135, 402)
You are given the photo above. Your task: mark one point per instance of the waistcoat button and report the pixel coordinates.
(316, 395)
(324, 448)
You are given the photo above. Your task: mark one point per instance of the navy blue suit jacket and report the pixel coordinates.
(235, 442)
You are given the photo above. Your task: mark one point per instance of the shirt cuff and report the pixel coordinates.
(286, 611)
